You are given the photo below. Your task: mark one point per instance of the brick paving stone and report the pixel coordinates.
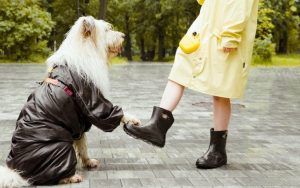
(228, 181)
(213, 181)
(263, 181)
(236, 186)
(150, 182)
(131, 183)
(163, 174)
(263, 143)
(185, 173)
(84, 184)
(174, 182)
(105, 183)
(199, 181)
(121, 174)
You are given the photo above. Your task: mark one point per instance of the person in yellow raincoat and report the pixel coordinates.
(219, 67)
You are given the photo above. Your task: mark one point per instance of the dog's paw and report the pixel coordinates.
(130, 119)
(91, 163)
(73, 179)
(76, 179)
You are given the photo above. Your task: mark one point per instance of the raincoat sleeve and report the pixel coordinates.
(200, 2)
(97, 109)
(235, 15)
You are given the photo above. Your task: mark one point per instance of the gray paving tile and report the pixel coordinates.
(262, 181)
(84, 184)
(263, 142)
(163, 174)
(199, 181)
(131, 183)
(185, 173)
(105, 183)
(174, 182)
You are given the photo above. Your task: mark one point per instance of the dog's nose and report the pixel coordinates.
(123, 35)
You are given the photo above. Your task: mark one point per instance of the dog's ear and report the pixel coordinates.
(88, 26)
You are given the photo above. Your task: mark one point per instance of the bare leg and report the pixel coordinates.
(81, 149)
(222, 113)
(172, 95)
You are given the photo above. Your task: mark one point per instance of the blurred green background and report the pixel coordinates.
(31, 30)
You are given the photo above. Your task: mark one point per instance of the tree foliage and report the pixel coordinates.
(286, 21)
(24, 28)
(278, 28)
(153, 28)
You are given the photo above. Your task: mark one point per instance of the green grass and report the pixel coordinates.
(115, 60)
(288, 60)
(118, 60)
(6, 61)
(168, 59)
(33, 59)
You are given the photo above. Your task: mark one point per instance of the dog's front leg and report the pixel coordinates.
(81, 150)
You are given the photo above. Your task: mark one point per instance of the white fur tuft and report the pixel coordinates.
(10, 178)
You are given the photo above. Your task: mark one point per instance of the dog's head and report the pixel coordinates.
(86, 49)
(102, 34)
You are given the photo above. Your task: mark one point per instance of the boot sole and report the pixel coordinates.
(210, 167)
(152, 142)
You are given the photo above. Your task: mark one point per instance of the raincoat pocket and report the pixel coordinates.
(198, 62)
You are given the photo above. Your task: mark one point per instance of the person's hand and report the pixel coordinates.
(229, 50)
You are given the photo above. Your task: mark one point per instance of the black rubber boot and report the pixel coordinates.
(216, 153)
(153, 132)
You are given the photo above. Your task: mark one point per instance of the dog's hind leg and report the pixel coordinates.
(81, 150)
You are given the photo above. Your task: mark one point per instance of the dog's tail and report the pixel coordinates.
(10, 178)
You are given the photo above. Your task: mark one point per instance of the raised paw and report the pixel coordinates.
(91, 163)
(130, 119)
(73, 179)
(135, 121)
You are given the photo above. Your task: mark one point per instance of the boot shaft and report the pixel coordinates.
(216, 155)
(218, 140)
(162, 118)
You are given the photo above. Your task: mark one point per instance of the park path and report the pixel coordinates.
(263, 143)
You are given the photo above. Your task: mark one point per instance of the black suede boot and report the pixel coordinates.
(216, 153)
(155, 130)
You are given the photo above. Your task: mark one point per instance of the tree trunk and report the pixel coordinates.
(283, 36)
(128, 52)
(176, 36)
(102, 9)
(150, 54)
(161, 44)
(283, 42)
(142, 48)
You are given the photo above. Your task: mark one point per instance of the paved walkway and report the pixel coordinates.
(263, 143)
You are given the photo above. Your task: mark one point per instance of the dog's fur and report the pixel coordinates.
(86, 49)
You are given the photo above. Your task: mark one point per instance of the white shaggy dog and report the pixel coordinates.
(86, 50)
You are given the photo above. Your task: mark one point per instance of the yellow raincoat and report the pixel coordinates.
(221, 23)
